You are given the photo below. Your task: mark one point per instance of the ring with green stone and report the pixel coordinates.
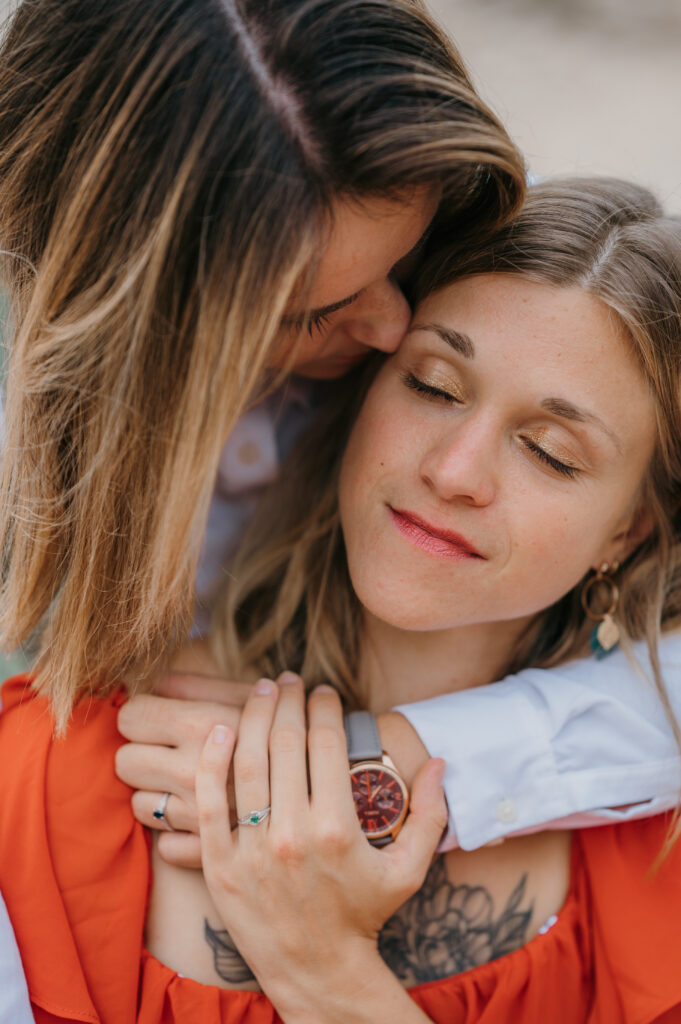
(254, 817)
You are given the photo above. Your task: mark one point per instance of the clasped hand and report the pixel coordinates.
(303, 894)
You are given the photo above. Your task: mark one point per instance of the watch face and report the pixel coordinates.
(380, 799)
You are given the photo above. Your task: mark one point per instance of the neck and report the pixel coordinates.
(400, 666)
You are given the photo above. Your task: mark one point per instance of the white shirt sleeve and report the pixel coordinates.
(14, 1004)
(558, 748)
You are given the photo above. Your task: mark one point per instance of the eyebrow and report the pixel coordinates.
(567, 411)
(461, 343)
(560, 407)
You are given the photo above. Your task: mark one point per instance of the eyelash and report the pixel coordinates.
(560, 467)
(426, 389)
(432, 393)
(310, 324)
(315, 323)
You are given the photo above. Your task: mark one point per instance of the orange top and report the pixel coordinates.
(75, 874)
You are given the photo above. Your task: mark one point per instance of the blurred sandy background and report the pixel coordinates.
(583, 85)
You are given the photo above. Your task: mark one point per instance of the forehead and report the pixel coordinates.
(512, 315)
(366, 239)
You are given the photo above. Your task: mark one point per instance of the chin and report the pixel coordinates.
(411, 615)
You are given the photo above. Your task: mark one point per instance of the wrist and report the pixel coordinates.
(400, 740)
(358, 988)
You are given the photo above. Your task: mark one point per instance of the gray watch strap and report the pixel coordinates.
(361, 732)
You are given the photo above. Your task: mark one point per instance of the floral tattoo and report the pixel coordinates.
(445, 929)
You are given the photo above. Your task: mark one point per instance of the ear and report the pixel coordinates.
(639, 526)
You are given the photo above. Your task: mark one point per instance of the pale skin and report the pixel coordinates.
(460, 451)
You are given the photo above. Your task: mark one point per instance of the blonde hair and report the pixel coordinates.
(289, 602)
(167, 169)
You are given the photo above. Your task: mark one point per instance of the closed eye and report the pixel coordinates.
(550, 460)
(427, 390)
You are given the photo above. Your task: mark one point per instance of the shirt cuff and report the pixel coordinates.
(500, 774)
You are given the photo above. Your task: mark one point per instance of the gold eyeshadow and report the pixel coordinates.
(439, 378)
(541, 436)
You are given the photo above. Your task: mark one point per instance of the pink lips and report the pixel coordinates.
(431, 538)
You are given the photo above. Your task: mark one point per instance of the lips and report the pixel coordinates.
(431, 538)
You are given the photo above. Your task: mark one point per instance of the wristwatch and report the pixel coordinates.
(380, 793)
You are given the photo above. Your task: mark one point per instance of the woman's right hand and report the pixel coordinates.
(302, 893)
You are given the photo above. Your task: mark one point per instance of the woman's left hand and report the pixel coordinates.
(303, 894)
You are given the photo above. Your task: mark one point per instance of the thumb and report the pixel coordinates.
(427, 820)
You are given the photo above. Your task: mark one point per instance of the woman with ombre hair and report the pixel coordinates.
(189, 191)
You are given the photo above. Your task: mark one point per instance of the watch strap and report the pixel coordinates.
(361, 733)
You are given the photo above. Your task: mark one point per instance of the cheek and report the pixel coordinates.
(376, 443)
(552, 548)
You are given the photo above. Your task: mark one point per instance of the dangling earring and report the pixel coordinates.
(605, 635)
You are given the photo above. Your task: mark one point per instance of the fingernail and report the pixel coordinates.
(288, 677)
(219, 734)
(264, 686)
(324, 689)
(440, 769)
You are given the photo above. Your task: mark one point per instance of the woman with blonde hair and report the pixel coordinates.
(484, 500)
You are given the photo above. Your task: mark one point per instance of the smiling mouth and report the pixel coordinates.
(433, 539)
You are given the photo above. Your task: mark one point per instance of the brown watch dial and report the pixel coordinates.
(380, 799)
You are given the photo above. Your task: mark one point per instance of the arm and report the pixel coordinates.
(302, 893)
(561, 748)
(14, 1005)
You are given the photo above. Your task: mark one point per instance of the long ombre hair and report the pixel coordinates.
(167, 173)
(289, 602)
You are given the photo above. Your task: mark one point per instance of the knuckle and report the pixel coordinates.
(139, 806)
(208, 814)
(440, 819)
(122, 763)
(411, 879)
(289, 848)
(260, 866)
(324, 739)
(332, 839)
(186, 776)
(222, 879)
(198, 725)
(247, 766)
(286, 739)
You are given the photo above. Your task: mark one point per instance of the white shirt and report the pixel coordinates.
(14, 1005)
(557, 748)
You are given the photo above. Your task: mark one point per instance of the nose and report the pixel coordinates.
(380, 317)
(462, 464)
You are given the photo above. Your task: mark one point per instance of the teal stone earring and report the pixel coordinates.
(602, 590)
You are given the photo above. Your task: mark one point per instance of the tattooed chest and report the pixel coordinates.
(445, 929)
(442, 930)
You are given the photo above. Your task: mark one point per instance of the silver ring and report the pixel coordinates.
(160, 813)
(254, 817)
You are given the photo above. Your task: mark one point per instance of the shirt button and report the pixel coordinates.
(507, 810)
(248, 453)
